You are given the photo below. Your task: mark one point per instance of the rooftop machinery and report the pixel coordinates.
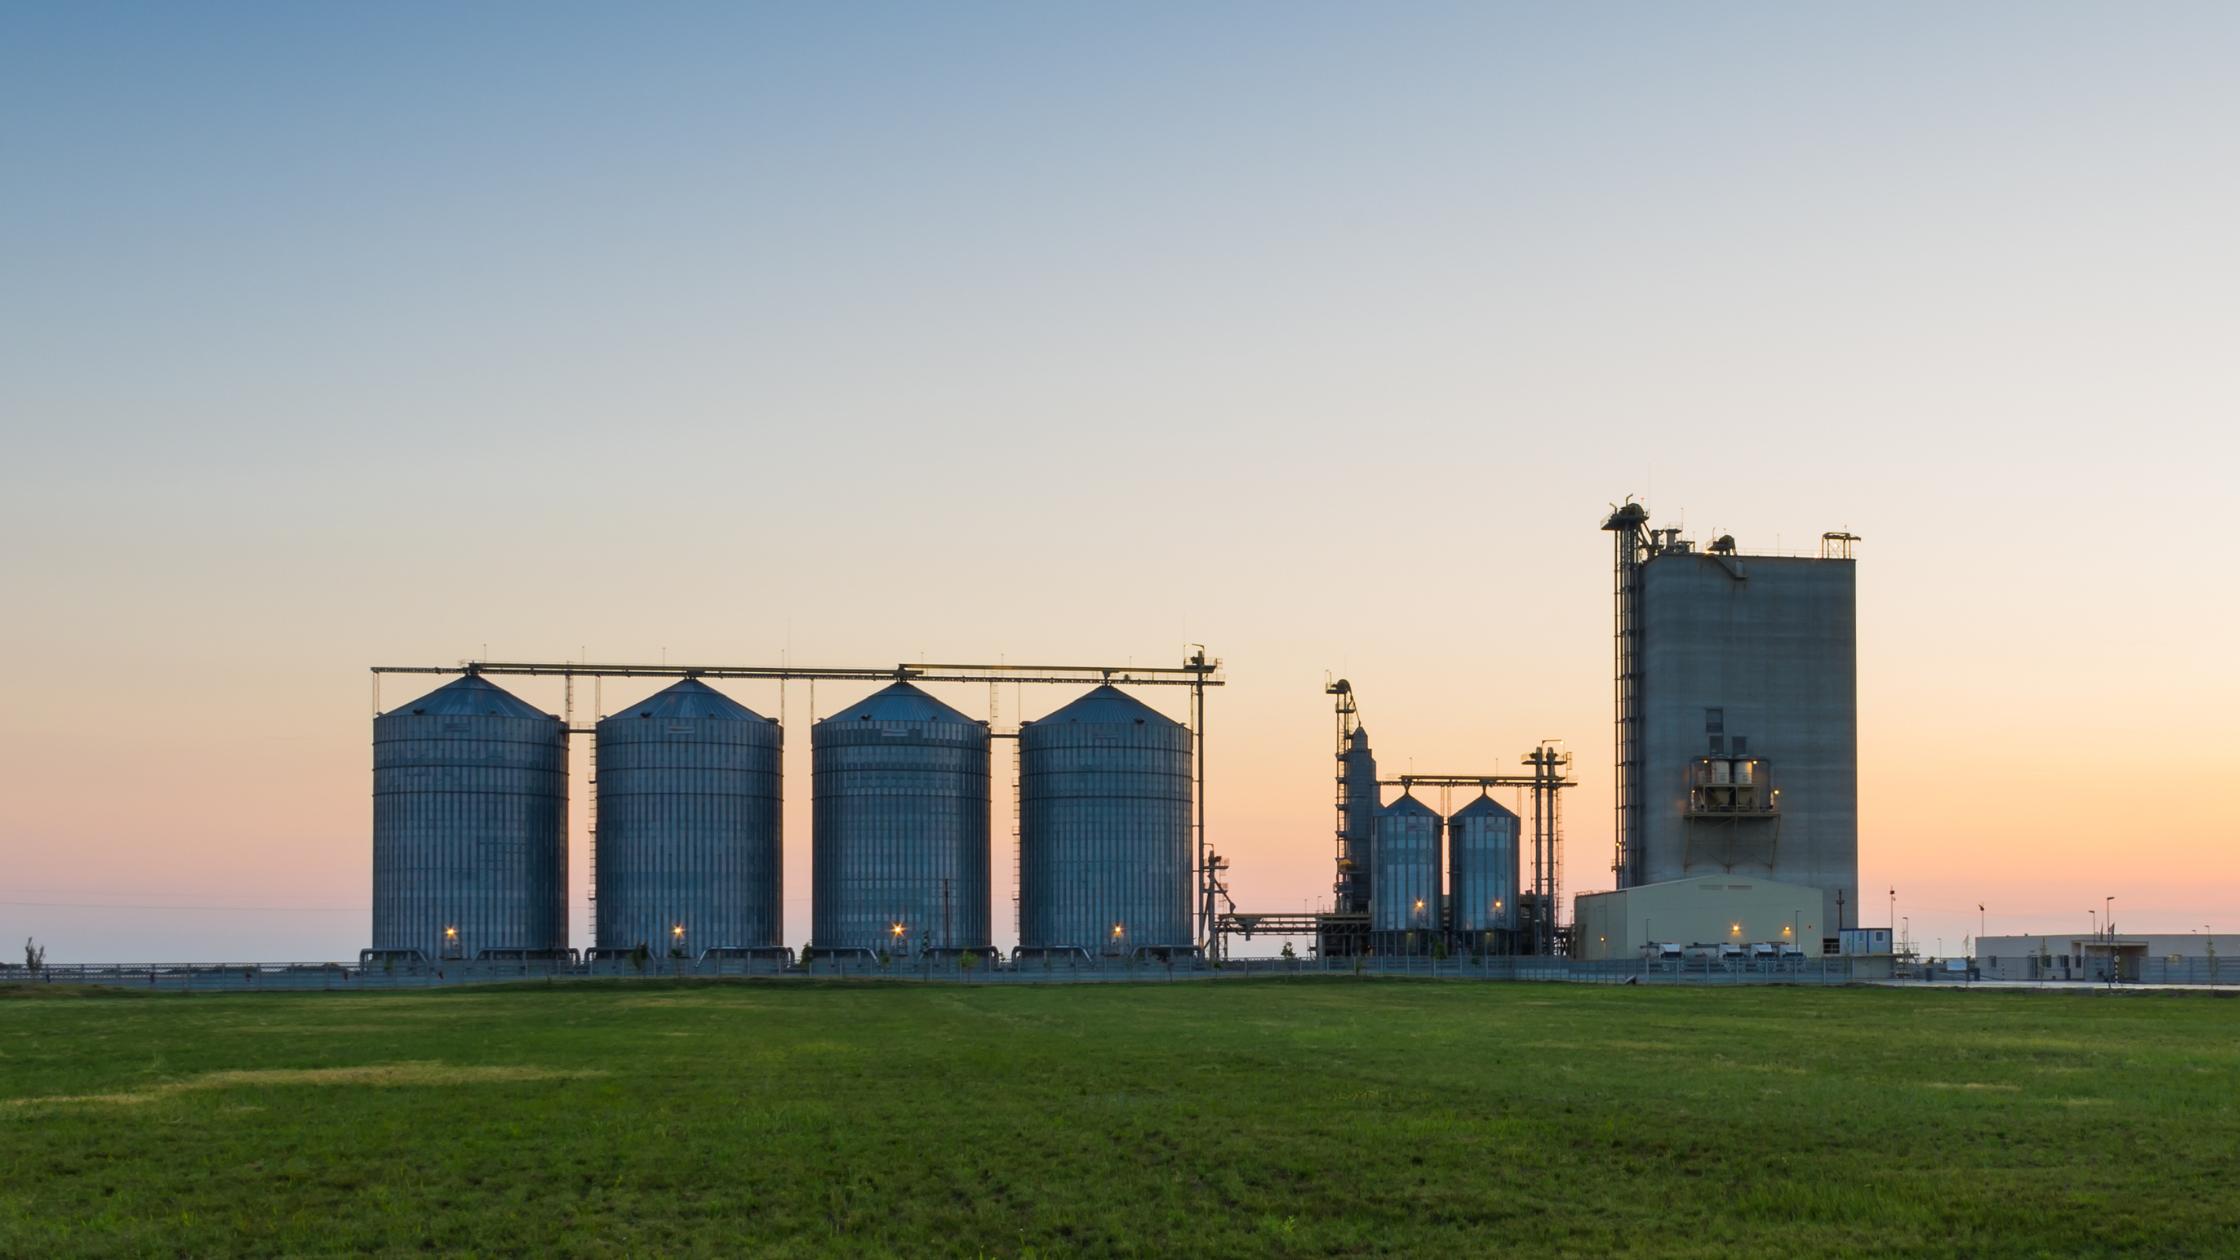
(426, 841)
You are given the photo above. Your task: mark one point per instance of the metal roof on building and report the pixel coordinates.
(899, 703)
(1485, 805)
(1109, 704)
(473, 695)
(691, 699)
(1408, 805)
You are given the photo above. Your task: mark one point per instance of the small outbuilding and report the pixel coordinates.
(1721, 910)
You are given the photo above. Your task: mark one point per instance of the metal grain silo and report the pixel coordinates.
(470, 825)
(1482, 876)
(1104, 827)
(690, 856)
(1404, 878)
(900, 826)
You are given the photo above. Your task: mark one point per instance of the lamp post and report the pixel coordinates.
(2108, 922)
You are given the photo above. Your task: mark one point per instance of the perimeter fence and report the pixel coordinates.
(378, 975)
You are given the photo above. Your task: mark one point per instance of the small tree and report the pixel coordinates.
(638, 957)
(1438, 947)
(968, 960)
(34, 954)
(1288, 955)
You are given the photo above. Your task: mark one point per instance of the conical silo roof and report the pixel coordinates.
(1409, 805)
(899, 703)
(1110, 704)
(474, 695)
(1485, 805)
(691, 699)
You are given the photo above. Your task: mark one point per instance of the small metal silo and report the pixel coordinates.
(1104, 827)
(900, 826)
(470, 825)
(690, 854)
(1482, 876)
(1404, 878)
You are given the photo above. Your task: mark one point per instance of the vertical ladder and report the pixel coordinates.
(1017, 925)
(591, 821)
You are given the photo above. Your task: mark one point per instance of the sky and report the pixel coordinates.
(1322, 335)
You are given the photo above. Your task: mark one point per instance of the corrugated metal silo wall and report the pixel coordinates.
(1404, 871)
(690, 821)
(900, 835)
(1104, 835)
(470, 831)
(1482, 869)
(1776, 651)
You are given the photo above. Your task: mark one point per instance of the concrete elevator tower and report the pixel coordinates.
(1737, 713)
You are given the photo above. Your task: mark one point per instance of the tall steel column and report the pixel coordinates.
(1550, 775)
(1628, 532)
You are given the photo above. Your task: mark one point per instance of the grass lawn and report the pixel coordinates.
(1264, 1118)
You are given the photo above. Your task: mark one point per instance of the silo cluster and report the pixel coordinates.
(1104, 830)
(1428, 879)
(471, 817)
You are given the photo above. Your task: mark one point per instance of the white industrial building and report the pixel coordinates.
(1697, 912)
(2137, 958)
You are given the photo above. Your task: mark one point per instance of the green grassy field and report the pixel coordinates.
(1265, 1118)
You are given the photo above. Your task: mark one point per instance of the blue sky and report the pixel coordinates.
(332, 336)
